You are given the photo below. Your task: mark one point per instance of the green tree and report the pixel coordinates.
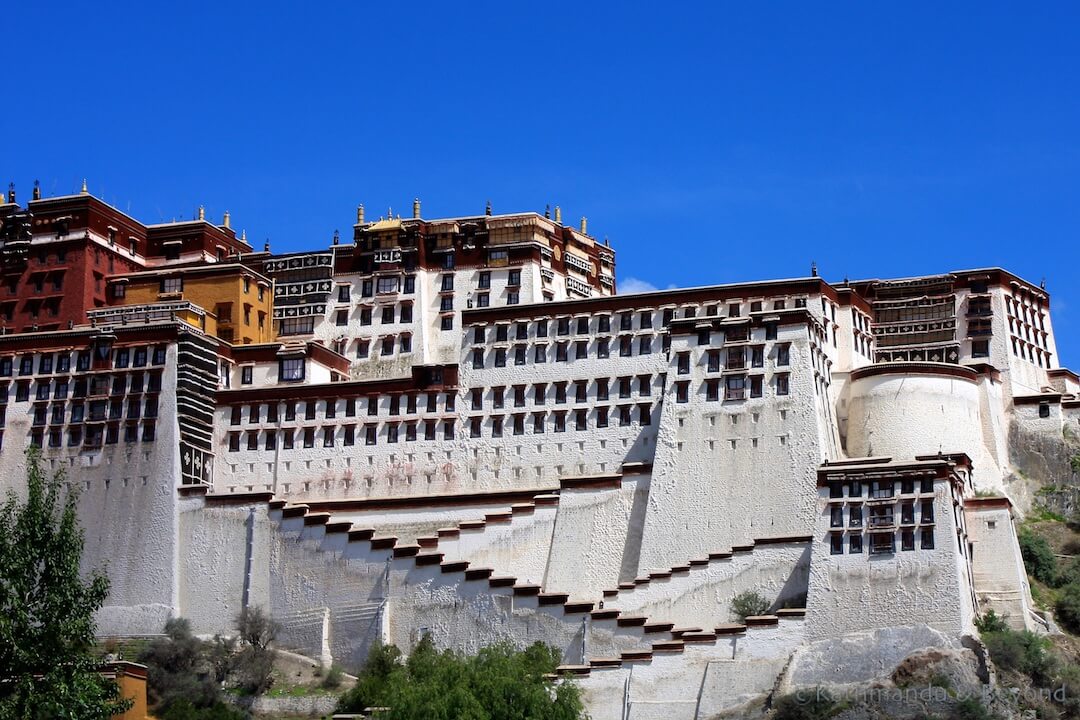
(178, 670)
(47, 663)
(1038, 557)
(498, 683)
(253, 665)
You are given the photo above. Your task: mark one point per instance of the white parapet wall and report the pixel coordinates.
(700, 594)
(225, 564)
(597, 534)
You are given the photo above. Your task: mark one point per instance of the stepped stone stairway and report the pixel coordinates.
(693, 592)
(608, 649)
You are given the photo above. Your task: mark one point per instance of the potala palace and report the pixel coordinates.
(456, 427)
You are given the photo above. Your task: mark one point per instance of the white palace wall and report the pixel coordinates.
(127, 508)
(729, 471)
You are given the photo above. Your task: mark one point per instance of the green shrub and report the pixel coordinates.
(332, 679)
(1067, 608)
(1038, 557)
(497, 682)
(1023, 652)
(747, 604)
(810, 704)
(991, 622)
(971, 709)
(940, 680)
(184, 710)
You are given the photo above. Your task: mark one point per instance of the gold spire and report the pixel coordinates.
(558, 214)
(225, 222)
(84, 191)
(416, 207)
(202, 213)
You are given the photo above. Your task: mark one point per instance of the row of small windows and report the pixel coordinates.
(50, 363)
(736, 358)
(881, 516)
(563, 351)
(97, 410)
(346, 435)
(81, 387)
(878, 489)
(382, 285)
(95, 435)
(387, 316)
(625, 320)
(735, 387)
(483, 300)
(350, 407)
(603, 416)
(602, 391)
(1029, 352)
(881, 543)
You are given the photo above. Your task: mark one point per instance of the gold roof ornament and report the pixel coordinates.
(584, 225)
(84, 191)
(225, 221)
(558, 214)
(416, 208)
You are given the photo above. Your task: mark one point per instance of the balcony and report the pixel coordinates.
(881, 522)
(882, 545)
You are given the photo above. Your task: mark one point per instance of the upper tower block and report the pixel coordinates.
(968, 317)
(57, 253)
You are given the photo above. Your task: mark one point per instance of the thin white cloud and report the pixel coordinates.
(631, 286)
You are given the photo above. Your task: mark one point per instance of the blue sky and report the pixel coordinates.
(711, 143)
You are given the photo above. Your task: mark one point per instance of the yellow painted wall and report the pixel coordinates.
(212, 292)
(131, 680)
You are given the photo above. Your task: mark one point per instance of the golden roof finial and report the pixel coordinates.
(584, 225)
(202, 213)
(225, 222)
(84, 191)
(558, 214)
